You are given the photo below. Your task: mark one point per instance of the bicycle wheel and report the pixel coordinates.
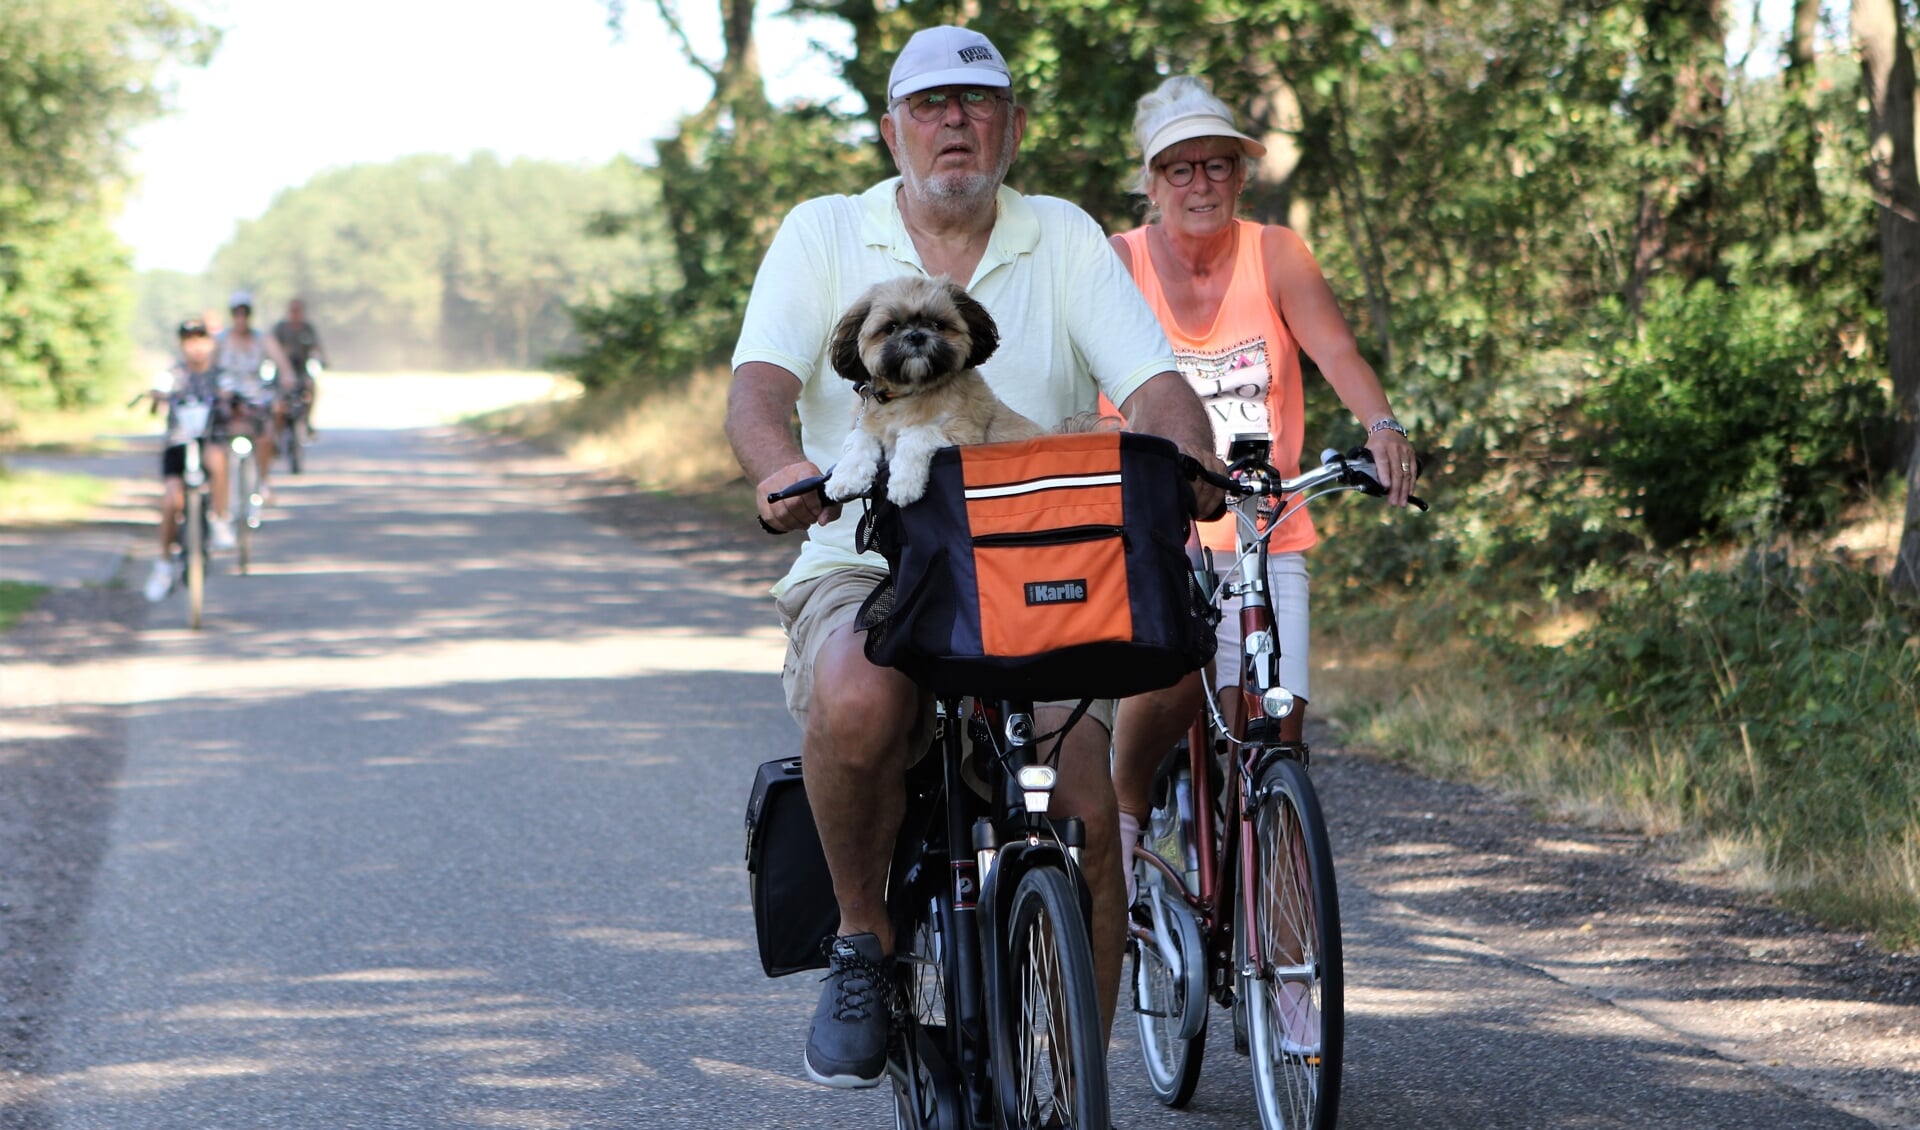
(195, 536)
(247, 517)
(926, 1094)
(1162, 997)
(1051, 1060)
(1295, 1015)
(290, 443)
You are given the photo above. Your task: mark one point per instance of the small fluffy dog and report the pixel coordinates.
(912, 348)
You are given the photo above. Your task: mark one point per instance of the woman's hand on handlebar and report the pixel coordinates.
(793, 513)
(1394, 464)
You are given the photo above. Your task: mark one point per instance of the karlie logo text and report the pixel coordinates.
(1057, 592)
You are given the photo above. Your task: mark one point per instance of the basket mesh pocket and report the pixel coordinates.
(876, 613)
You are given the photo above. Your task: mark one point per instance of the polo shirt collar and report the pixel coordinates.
(1016, 229)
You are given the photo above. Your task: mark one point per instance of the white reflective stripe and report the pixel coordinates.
(1045, 484)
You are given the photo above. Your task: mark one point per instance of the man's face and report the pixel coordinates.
(198, 350)
(954, 142)
(296, 311)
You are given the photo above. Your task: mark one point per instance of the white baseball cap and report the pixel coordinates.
(1203, 123)
(241, 298)
(947, 56)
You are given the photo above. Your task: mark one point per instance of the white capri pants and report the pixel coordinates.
(1287, 589)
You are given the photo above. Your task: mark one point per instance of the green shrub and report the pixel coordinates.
(1739, 413)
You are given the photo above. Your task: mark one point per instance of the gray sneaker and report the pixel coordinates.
(847, 1045)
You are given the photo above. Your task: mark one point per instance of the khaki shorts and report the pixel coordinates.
(811, 611)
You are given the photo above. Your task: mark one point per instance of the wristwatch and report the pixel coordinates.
(1387, 424)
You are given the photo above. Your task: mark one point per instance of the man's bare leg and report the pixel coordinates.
(854, 761)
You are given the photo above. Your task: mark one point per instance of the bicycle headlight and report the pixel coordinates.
(242, 445)
(1036, 784)
(1278, 702)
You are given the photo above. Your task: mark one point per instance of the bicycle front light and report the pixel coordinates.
(242, 445)
(1278, 702)
(1036, 784)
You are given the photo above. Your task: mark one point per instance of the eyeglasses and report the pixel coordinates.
(1179, 174)
(931, 105)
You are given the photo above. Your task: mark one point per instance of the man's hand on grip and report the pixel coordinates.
(792, 513)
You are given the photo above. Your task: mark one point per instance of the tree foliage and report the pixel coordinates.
(428, 261)
(75, 76)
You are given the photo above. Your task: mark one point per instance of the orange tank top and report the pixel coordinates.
(1245, 367)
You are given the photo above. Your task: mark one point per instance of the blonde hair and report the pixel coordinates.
(1175, 98)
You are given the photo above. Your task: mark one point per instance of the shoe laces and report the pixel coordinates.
(861, 983)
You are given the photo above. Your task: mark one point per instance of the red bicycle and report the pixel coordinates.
(1237, 894)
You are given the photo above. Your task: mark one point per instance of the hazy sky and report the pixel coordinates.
(299, 87)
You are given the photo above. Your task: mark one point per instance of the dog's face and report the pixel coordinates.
(910, 334)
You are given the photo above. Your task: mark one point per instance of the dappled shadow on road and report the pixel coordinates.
(481, 903)
(399, 543)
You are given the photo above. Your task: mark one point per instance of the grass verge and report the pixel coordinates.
(671, 439)
(40, 498)
(16, 600)
(1768, 715)
(79, 430)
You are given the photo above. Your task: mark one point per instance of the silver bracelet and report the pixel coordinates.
(1387, 424)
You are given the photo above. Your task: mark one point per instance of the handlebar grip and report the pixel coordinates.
(812, 484)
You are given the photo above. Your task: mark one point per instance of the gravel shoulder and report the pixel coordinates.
(59, 768)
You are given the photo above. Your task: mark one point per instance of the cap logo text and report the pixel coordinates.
(976, 55)
(1057, 592)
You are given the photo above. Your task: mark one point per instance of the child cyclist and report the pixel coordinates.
(193, 379)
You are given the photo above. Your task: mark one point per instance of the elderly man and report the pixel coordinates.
(1072, 325)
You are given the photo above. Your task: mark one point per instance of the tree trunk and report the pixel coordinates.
(1886, 65)
(1800, 137)
(1682, 112)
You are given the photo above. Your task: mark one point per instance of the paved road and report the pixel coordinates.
(437, 823)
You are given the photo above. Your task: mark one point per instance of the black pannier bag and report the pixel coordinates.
(1051, 568)
(794, 910)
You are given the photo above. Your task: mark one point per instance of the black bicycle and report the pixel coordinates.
(195, 532)
(995, 1014)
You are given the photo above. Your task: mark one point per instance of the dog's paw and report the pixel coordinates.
(907, 481)
(848, 480)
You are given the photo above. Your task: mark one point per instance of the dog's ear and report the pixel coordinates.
(843, 348)
(980, 327)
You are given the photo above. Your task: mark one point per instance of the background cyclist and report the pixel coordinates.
(243, 353)
(301, 341)
(193, 377)
(1072, 325)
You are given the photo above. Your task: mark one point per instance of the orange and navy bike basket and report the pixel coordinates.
(1052, 568)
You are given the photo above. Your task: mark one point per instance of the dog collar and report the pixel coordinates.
(868, 392)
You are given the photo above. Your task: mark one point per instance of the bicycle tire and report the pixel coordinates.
(292, 445)
(245, 518)
(195, 536)
(1172, 1062)
(1297, 919)
(931, 1099)
(1049, 1077)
